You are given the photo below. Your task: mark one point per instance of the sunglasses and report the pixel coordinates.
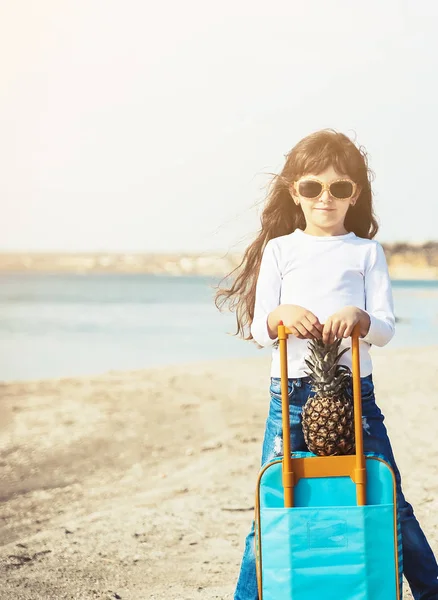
(342, 189)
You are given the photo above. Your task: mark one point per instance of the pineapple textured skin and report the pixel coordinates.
(328, 416)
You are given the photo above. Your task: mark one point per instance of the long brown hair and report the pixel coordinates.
(281, 216)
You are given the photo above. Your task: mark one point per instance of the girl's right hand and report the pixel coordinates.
(301, 322)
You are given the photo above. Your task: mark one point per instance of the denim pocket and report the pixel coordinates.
(275, 388)
(366, 389)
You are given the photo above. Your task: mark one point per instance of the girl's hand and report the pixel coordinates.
(301, 322)
(341, 324)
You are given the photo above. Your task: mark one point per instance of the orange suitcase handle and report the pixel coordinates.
(326, 465)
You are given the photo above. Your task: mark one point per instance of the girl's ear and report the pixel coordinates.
(357, 194)
(293, 194)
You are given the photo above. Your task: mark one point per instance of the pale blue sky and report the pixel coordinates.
(146, 126)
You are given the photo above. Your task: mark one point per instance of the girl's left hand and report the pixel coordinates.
(341, 324)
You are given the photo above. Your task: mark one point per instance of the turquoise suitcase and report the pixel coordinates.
(327, 527)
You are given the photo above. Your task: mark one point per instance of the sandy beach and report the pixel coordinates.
(139, 485)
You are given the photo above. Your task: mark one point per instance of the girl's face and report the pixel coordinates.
(325, 214)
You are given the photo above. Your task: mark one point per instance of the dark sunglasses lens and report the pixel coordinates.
(309, 189)
(341, 189)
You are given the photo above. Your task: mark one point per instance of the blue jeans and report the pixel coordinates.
(419, 564)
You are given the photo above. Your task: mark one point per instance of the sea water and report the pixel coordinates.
(63, 325)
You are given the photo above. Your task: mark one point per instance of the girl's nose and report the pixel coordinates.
(325, 197)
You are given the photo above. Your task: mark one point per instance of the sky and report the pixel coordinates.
(137, 126)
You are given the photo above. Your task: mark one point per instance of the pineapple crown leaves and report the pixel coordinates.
(327, 376)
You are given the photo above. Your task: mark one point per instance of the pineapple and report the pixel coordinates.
(328, 418)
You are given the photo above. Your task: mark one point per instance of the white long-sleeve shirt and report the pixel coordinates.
(323, 275)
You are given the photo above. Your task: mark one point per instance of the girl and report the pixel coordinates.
(315, 267)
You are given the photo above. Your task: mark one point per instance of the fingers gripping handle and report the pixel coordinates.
(288, 475)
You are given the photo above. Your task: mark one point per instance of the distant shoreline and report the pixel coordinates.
(405, 261)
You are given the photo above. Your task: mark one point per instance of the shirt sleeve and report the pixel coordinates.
(378, 299)
(267, 296)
